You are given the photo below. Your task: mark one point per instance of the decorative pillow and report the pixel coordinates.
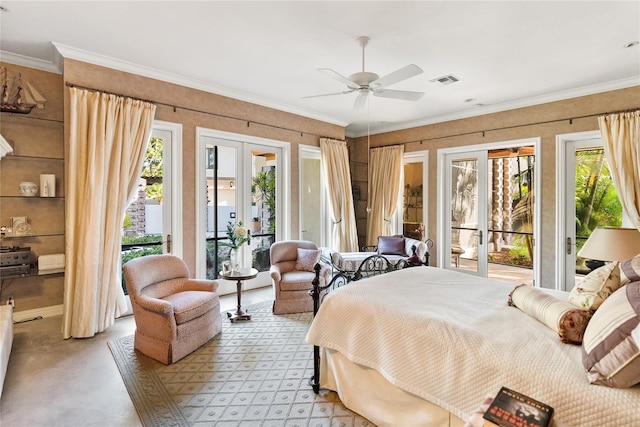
(566, 319)
(611, 342)
(307, 259)
(391, 245)
(595, 287)
(630, 270)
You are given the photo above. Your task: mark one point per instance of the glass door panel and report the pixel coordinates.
(467, 223)
(222, 158)
(413, 201)
(147, 228)
(264, 165)
(311, 215)
(510, 213)
(592, 202)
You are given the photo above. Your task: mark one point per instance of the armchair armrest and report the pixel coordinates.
(275, 272)
(155, 305)
(202, 285)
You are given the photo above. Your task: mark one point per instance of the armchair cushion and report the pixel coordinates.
(189, 305)
(307, 259)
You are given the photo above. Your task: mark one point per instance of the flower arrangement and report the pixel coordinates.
(237, 235)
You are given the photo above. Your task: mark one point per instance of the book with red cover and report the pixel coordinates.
(512, 409)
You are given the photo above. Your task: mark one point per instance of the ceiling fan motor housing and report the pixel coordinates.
(363, 78)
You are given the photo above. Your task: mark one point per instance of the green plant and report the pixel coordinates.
(263, 186)
(237, 235)
(126, 223)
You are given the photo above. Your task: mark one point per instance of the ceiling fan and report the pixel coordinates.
(366, 82)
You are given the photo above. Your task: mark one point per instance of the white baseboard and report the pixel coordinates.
(53, 310)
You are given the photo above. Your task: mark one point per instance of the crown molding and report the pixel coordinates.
(505, 106)
(129, 67)
(29, 62)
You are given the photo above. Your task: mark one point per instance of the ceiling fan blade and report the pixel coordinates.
(399, 94)
(328, 94)
(403, 73)
(339, 77)
(361, 100)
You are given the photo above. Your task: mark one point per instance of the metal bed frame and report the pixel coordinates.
(373, 265)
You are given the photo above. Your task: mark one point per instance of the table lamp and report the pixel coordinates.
(611, 244)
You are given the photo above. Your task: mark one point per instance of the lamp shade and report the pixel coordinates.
(611, 244)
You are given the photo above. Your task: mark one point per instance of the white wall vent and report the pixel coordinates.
(446, 80)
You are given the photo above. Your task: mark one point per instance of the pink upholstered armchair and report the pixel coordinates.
(292, 263)
(174, 315)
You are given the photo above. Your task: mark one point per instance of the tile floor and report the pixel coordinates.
(72, 383)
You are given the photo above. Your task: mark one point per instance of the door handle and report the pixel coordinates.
(479, 237)
(569, 246)
(168, 243)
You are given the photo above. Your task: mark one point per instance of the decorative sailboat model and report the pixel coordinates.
(18, 95)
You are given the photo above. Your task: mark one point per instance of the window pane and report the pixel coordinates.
(263, 208)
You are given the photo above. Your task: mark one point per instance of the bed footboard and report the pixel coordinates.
(339, 278)
(373, 265)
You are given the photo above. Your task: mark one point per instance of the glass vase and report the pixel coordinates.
(233, 261)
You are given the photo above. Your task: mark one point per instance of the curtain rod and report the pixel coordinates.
(302, 133)
(91, 89)
(570, 119)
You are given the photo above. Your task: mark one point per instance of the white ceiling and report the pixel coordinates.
(506, 54)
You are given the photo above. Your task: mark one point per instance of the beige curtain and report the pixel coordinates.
(385, 179)
(621, 140)
(335, 166)
(108, 135)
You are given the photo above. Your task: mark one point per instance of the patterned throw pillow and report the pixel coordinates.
(566, 319)
(307, 259)
(595, 287)
(630, 270)
(612, 339)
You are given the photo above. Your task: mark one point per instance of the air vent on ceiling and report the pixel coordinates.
(446, 80)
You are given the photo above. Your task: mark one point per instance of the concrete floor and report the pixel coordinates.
(54, 382)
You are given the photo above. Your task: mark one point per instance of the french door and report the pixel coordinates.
(240, 179)
(487, 219)
(586, 199)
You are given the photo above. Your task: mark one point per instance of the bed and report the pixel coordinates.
(349, 262)
(426, 346)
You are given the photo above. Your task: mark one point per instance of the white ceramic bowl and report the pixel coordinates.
(28, 189)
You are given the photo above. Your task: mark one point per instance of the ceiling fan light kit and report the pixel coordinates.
(365, 82)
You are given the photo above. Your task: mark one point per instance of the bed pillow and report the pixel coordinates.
(391, 245)
(630, 270)
(563, 317)
(612, 339)
(307, 259)
(596, 286)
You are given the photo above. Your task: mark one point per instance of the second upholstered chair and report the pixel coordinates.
(174, 314)
(292, 272)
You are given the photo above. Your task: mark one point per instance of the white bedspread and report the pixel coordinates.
(451, 338)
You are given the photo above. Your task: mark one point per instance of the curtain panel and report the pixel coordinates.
(621, 140)
(385, 179)
(335, 167)
(108, 135)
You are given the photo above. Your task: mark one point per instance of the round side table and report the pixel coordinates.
(239, 277)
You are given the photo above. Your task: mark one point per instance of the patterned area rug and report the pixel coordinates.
(254, 373)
